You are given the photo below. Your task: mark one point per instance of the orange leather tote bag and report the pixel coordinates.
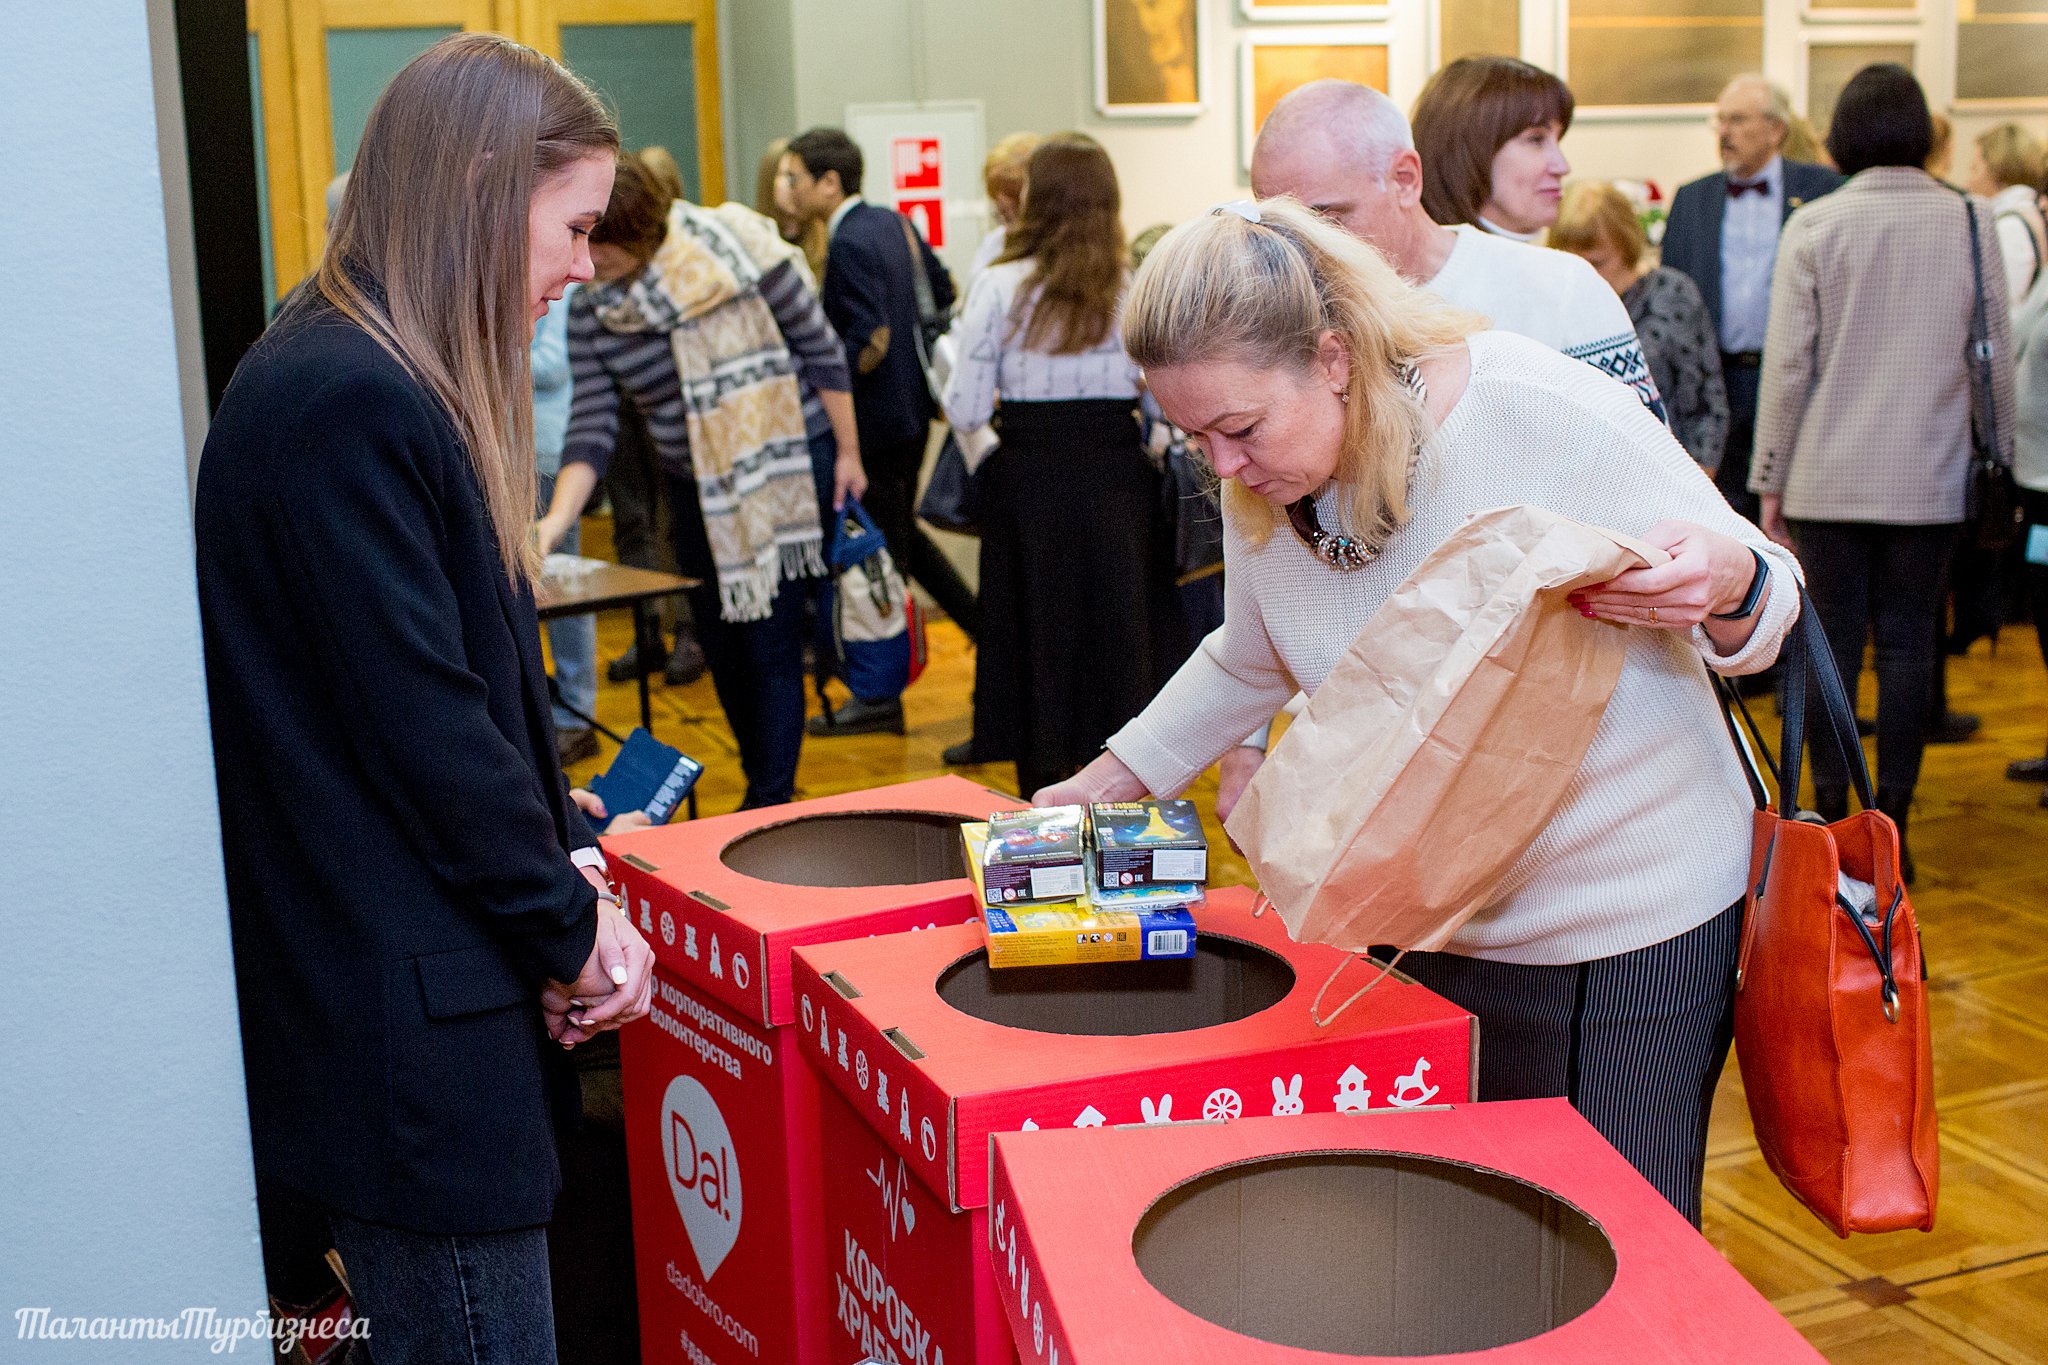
(1831, 1024)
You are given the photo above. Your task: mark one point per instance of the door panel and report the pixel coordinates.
(647, 74)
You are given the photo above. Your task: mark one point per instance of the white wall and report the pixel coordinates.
(1030, 62)
(125, 1183)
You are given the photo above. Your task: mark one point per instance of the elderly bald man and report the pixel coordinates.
(1724, 234)
(1346, 151)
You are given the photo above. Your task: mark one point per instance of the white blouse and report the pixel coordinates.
(993, 362)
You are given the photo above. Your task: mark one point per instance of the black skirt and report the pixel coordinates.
(1076, 585)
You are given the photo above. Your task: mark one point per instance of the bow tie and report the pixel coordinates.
(1738, 188)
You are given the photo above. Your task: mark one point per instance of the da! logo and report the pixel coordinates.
(703, 1171)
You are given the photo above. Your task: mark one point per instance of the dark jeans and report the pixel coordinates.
(1732, 476)
(1883, 582)
(891, 500)
(757, 667)
(437, 1300)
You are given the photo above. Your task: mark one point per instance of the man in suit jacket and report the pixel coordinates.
(870, 293)
(1724, 231)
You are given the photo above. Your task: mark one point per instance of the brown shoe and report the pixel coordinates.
(575, 746)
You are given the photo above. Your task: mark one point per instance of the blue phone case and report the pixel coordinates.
(647, 775)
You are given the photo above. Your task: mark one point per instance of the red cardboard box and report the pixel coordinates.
(934, 1052)
(1511, 1230)
(721, 1117)
(724, 900)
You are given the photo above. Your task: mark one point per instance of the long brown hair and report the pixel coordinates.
(428, 253)
(1070, 229)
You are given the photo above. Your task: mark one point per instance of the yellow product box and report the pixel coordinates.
(1067, 933)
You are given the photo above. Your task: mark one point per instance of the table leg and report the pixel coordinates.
(643, 644)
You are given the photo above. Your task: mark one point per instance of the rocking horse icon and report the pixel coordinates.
(1409, 1091)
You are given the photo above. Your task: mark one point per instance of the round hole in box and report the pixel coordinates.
(856, 848)
(1226, 980)
(1373, 1253)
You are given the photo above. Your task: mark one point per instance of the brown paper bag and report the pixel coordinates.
(1444, 740)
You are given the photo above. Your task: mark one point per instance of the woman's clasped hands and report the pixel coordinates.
(616, 984)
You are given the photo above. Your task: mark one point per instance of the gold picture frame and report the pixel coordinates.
(1271, 65)
(1148, 58)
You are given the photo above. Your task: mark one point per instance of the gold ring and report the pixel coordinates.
(1653, 616)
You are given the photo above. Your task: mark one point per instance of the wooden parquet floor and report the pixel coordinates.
(1973, 1290)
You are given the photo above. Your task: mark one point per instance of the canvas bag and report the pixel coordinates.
(877, 629)
(1444, 740)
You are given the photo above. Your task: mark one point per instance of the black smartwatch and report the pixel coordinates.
(1755, 593)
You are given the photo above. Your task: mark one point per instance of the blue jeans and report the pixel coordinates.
(439, 1300)
(573, 640)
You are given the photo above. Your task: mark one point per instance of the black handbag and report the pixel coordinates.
(1188, 489)
(952, 496)
(1992, 499)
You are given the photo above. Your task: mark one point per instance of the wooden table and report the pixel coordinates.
(603, 586)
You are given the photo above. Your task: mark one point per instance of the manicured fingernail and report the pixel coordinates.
(1589, 613)
(618, 976)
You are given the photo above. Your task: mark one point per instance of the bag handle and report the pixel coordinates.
(1808, 656)
(1979, 355)
(1316, 1005)
(927, 306)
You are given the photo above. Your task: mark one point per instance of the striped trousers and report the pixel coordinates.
(1636, 1042)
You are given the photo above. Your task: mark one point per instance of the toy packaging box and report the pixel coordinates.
(1509, 1232)
(932, 1050)
(721, 1117)
(1065, 932)
(1143, 843)
(1034, 855)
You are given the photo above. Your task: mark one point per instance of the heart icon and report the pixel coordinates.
(703, 1170)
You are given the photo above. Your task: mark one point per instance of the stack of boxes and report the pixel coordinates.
(1112, 882)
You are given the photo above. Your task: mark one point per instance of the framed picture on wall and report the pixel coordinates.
(1269, 67)
(1311, 11)
(1854, 11)
(1148, 58)
(1832, 56)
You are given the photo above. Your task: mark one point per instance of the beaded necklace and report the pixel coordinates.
(1345, 553)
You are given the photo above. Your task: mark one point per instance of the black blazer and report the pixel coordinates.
(868, 285)
(1692, 234)
(396, 826)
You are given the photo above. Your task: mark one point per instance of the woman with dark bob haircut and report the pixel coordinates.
(1863, 422)
(1487, 129)
(1882, 120)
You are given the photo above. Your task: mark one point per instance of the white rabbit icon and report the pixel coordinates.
(1162, 1114)
(1287, 1098)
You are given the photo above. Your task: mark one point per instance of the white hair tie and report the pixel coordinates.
(1247, 209)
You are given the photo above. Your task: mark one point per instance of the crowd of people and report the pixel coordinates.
(1412, 320)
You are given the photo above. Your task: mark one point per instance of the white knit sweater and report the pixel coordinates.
(1653, 836)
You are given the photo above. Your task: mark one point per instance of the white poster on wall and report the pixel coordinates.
(924, 161)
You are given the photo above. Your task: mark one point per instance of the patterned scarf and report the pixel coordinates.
(748, 452)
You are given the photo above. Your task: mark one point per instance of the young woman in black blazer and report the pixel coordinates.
(421, 920)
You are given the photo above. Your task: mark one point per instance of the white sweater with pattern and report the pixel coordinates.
(1653, 836)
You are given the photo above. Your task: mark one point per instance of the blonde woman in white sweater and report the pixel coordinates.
(1357, 423)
